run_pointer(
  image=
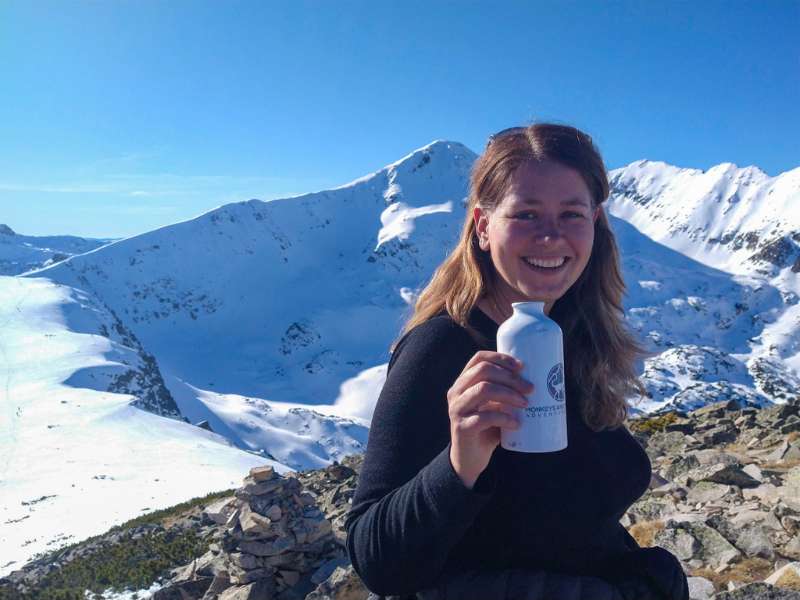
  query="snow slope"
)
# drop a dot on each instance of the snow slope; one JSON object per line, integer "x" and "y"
{"x": 76, "y": 461}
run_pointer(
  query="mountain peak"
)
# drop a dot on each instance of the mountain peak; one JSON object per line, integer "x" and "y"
{"x": 724, "y": 167}
{"x": 447, "y": 154}
{"x": 646, "y": 170}
{"x": 6, "y": 230}
{"x": 441, "y": 147}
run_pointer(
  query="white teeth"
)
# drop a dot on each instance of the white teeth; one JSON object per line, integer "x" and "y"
{"x": 552, "y": 263}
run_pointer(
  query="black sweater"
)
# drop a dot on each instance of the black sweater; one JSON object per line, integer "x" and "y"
{"x": 413, "y": 521}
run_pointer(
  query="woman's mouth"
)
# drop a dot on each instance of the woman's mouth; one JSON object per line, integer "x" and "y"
{"x": 552, "y": 265}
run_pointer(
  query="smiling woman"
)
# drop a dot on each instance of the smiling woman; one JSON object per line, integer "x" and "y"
{"x": 442, "y": 510}
{"x": 540, "y": 235}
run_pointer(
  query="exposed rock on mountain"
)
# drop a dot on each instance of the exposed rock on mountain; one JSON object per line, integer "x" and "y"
{"x": 136, "y": 372}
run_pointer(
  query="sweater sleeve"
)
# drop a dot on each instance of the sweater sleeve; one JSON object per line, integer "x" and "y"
{"x": 410, "y": 507}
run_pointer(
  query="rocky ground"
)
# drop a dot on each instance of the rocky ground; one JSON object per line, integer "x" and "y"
{"x": 725, "y": 499}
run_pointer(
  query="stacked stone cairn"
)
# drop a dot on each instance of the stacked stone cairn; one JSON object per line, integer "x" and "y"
{"x": 275, "y": 543}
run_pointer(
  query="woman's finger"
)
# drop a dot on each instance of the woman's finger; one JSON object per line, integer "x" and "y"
{"x": 500, "y": 359}
{"x": 491, "y": 372}
{"x": 485, "y": 391}
{"x": 477, "y": 422}
{"x": 497, "y": 407}
{"x": 494, "y": 367}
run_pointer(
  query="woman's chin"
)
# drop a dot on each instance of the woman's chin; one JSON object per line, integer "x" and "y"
{"x": 546, "y": 296}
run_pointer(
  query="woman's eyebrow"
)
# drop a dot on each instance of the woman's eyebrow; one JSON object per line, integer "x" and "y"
{"x": 568, "y": 202}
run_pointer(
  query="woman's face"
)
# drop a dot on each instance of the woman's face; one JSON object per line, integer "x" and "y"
{"x": 546, "y": 214}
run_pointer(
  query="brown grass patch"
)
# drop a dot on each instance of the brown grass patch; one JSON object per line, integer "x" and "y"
{"x": 749, "y": 570}
{"x": 172, "y": 520}
{"x": 782, "y": 465}
{"x": 746, "y": 571}
{"x": 792, "y": 436}
{"x": 652, "y": 424}
{"x": 645, "y": 532}
{"x": 790, "y": 580}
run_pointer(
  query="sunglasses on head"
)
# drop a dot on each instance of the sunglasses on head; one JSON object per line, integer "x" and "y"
{"x": 507, "y": 131}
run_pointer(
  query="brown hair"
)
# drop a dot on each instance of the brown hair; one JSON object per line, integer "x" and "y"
{"x": 600, "y": 353}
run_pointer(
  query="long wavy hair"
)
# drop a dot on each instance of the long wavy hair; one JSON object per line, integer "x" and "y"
{"x": 600, "y": 353}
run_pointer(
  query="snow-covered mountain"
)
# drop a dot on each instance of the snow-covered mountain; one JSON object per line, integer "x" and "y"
{"x": 253, "y": 317}
{"x": 273, "y": 302}
{"x": 740, "y": 220}
{"x": 21, "y": 253}
{"x": 254, "y": 297}
{"x": 271, "y": 322}
{"x": 706, "y": 327}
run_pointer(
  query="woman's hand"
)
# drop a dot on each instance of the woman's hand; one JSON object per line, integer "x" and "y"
{"x": 480, "y": 402}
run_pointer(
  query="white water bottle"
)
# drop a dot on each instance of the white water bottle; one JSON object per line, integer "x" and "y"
{"x": 532, "y": 337}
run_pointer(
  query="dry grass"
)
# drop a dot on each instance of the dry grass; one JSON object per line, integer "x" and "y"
{"x": 645, "y": 532}
{"x": 742, "y": 449}
{"x": 652, "y": 424}
{"x": 746, "y": 571}
{"x": 782, "y": 465}
{"x": 790, "y": 579}
{"x": 750, "y": 569}
{"x": 172, "y": 520}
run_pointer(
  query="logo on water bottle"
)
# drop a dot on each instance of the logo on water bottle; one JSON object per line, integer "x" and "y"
{"x": 555, "y": 381}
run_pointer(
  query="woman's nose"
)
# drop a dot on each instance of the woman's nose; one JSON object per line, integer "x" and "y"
{"x": 547, "y": 230}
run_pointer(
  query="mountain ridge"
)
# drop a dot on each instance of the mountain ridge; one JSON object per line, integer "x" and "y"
{"x": 23, "y": 253}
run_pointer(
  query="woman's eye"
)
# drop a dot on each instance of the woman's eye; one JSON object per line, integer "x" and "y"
{"x": 529, "y": 216}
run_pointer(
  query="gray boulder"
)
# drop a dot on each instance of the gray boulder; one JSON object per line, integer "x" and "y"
{"x": 700, "y": 588}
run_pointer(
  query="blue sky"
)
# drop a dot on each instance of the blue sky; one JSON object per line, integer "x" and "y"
{"x": 117, "y": 117}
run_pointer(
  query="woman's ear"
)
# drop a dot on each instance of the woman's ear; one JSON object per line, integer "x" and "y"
{"x": 481, "y": 218}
